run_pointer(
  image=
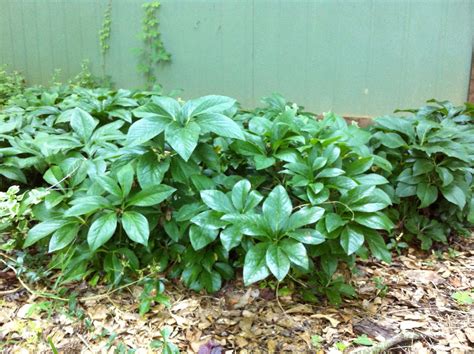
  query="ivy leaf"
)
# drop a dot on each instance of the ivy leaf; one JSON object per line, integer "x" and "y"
{"x": 351, "y": 239}
{"x": 277, "y": 262}
{"x": 136, "y": 227}
{"x": 255, "y": 264}
{"x": 183, "y": 139}
{"x": 101, "y": 230}
{"x": 277, "y": 208}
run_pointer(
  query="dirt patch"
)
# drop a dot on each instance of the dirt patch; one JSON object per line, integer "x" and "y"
{"x": 410, "y": 300}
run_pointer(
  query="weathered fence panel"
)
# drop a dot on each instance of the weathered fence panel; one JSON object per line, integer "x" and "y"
{"x": 358, "y": 58}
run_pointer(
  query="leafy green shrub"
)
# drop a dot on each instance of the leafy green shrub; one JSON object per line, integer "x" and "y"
{"x": 432, "y": 152}
{"x": 11, "y": 84}
{"x": 200, "y": 189}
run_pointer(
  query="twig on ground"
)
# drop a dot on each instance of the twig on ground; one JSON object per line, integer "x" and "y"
{"x": 381, "y": 347}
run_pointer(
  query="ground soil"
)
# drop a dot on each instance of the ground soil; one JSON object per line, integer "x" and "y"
{"x": 407, "y": 306}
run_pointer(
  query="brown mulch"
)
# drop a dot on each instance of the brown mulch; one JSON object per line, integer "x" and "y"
{"x": 412, "y": 296}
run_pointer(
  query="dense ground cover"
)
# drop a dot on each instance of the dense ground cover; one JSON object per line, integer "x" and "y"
{"x": 114, "y": 189}
{"x": 114, "y": 186}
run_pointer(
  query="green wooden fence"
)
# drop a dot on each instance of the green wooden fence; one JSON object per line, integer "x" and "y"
{"x": 358, "y": 58}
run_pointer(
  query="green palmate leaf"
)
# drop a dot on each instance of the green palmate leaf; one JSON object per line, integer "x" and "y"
{"x": 397, "y": 124}
{"x": 371, "y": 179}
{"x": 422, "y": 166}
{"x": 296, "y": 252}
{"x": 101, "y": 230}
{"x": 391, "y": 140}
{"x": 305, "y": 216}
{"x": 378, "y": 221}
{"x": 207, "y": 104}
{"x": 330, "y": 172}
{"x": 255, "y": 264}
{"x": 165, "y": 106}
{"x": 159, "y": 107}
{"x": 455, "y": 195}
{"x": 231, "y": 237}
{"x": 378, "y": 247}
{"x": 307, "y": 236}
{"x": 470, "y": 216}
{"x": 151, "y": 195}
{"x": 110, "y": 185}
{"x": 352, "y": 238}
{"x": 277, "y": 262}
{"x": 445, "y": 176}
{"x": 277, "y": 208}
{"x": 218, "y": 201}
{"x": 220, "y": 125}
{"x": 183, "y": 139}
{"x": 125, "y": 179}
{"x": 42, "y": 230}
{"x": 263, "y": 162}
{"x": 200, "y": 237}
{"x": 53, "y": 176}
{"x": 333, "y": 221}
{"x": 253, "y": 199}
{"x": 405, "y": 190}
{"x": 136, "y": 227}
{"x": 427, "y": 194}
{"x": 13, "y": 173}
{"x": 212, "y": 282}
{"x": 239, "y": 194}
{"x": 63, "y": 237}
{"x": 82, "y": 123}
{"x": 210, "y": 219}
{"x": 150, "y": 171}
{"x": 359, "y": 166}
{"x": 86, "y": 205}
{"x": 146, "y": 129}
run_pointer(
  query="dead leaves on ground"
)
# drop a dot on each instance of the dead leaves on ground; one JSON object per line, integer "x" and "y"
{"x": 412, "y": 295}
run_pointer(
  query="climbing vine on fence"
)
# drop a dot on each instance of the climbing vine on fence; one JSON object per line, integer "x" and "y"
{"x": 153, "y": 51}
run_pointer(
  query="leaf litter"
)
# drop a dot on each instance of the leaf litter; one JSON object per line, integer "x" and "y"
{"x": 410, "y": 307}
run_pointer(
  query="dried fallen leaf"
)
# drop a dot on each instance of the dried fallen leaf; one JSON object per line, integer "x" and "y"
{"x": 404, "y": 325}
{"x": 331, "y": 319}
